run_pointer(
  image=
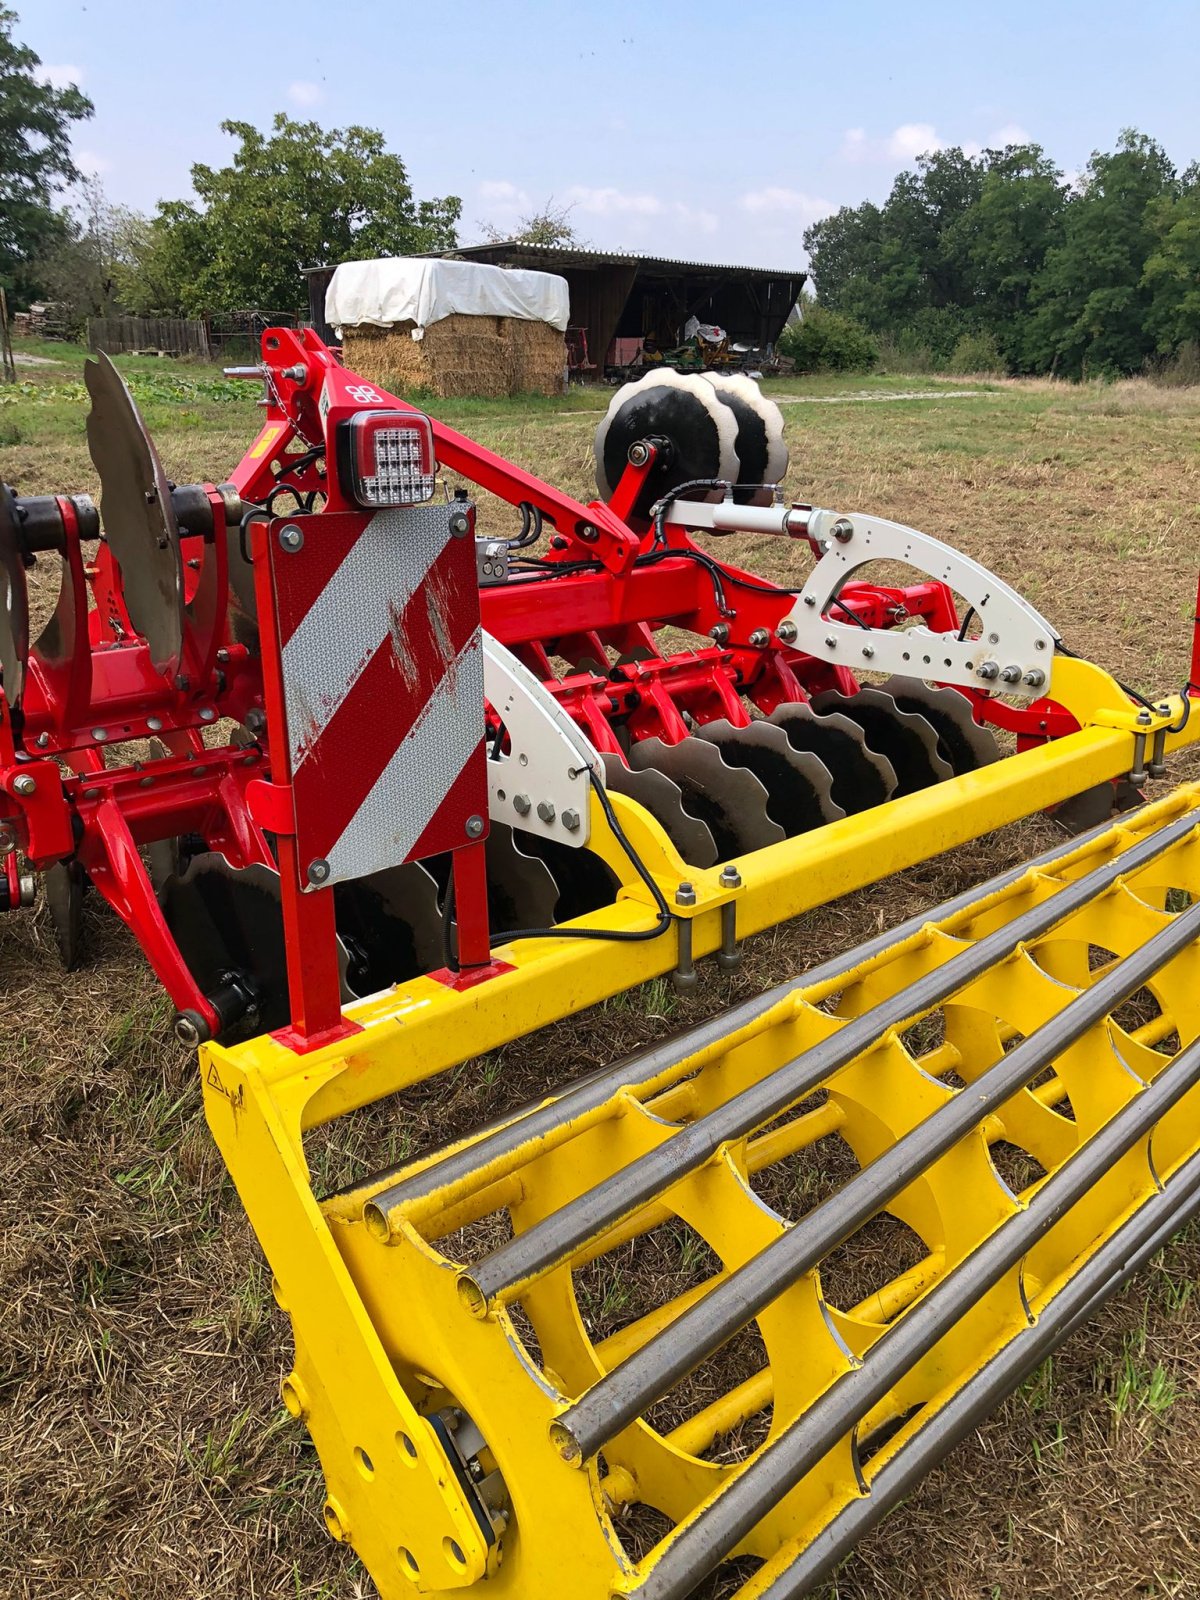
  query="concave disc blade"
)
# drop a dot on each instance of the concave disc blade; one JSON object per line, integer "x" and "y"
{"x": 861, "y": 776}
{"x": 908, "y": 741}
{"x": 762, "y": 453}
{"x": 962, "y": 741}
{"x": 583, "y": 880}
{"x": 226, "y": 919}
{"x": 62, "y": 885}
{"x": 798, "y": 786}
{"x": 680, "y": 407}
{"x": 663, "y": 800}
{"x": 730, "y": 801}
{"x": 14, "y": 602}
{"x": 391, "y": 926}
{"x": 139, "y": 519}
{"x": 522, "y": 892}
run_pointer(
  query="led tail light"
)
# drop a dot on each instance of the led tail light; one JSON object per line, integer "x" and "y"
{"x": 385, "y": 458}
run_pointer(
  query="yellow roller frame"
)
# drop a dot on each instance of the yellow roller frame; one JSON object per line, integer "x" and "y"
{"x": 260, "y": 1099}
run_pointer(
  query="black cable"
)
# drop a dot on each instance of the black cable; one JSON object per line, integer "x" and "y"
{"x": 531, "y": 527}
{"x": 298, "y": 463}
{"x": 966, "y": 623}
{"x": 613, "y": 935}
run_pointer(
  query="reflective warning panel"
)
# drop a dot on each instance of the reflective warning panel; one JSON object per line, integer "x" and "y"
{"x": 382, "y": 669}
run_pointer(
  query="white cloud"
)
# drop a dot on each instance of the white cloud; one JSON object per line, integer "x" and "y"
{"x": 789, "y": 203}
{"x": 610, "y": 202}
{"x": 304, "y": 93}
{"x": 90, "y": 162}
{"x": 1010, "y": 133}
{"x": 913, "y": 139}
{"x": 501, "y": 192}
{"x": 62, "y": 75}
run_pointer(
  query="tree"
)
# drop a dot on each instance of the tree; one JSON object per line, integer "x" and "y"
{"x": 1091, "y": 305}
{"x": 298, "y": 197}
{"x": 551, "y": 226}
{"x": 100, "y": 250}
{"x": 1172, "y": 271}
{"x": 35, "y": 159}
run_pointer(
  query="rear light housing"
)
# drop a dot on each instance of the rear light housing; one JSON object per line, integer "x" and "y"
{"x": 386, "y": 458}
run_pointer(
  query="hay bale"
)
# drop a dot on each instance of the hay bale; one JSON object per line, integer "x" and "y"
{"x": 461, "y": 356}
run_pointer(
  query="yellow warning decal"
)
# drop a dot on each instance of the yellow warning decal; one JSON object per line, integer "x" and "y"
{"x": 265, "y": 440}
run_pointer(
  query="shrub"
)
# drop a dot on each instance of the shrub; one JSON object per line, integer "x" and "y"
{"x": 976, "y": 352}
{"x": 1181, "y": 370}
{"x": 827, "y": 341}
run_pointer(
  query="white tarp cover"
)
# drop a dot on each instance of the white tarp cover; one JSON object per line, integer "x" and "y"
{"x": 418, "y": 289}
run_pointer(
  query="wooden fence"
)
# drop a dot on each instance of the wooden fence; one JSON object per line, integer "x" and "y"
{"x": 173, "y": 335}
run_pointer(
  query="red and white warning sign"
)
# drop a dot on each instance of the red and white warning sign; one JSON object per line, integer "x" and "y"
{"x": 382, "y": 673}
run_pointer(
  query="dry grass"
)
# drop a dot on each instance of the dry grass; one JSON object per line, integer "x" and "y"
{"x": 142, "y": 1449}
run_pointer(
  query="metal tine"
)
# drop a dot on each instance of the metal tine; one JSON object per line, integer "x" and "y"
{"x": 548, "y": 1243}
{"x": 799, "y": 785}
{"x": 652, "y": 1370}
{"x": 14, "y": 602}
{"x": 138, "y": 514}
{"x": 707, "y": 1537}
{"x": 861, "y": 776}
{"x": 664, "y": 801}
{"x": 1117, "y": 1260}
{"x": 962, "y": 741}
{"x": 908, "y": 741}
{"x": 729, "y": 800}
{"x": 462, "y": 1167}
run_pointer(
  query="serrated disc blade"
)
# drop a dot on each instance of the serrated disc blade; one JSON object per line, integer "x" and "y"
{"x": 798, "y": 785}
{"x": 522, "y": 892}
{"x": 961, "y": 740}
{"x": 730, "y": 801}
{"x": 139, "y": 519}
{"x": 227, "y": 918}
{"x": 62, "y": 885}
{"x": 680, "y": 407}
{"x": 583, "y": 881}
{"x": 861, "y": 776}
{"x": 14, "y": 602}
{"x": 664, "y": 802}
{"x": 391, "y": 926}
{"x": 908, "y": 741}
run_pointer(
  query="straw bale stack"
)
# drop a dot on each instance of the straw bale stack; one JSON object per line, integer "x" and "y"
{"x": 461, "y": 355}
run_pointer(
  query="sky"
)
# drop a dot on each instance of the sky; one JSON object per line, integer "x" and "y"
{"x": 706, "y": 131}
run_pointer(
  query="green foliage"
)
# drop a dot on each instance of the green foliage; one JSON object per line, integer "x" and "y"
{"x": 297, "y": 197}
{"x": 1091, "y": 278}
{"x": 100, "y": 248}
{"x": 35, "y": 160}
{"x": 828, "y": 341}
{"x": 551, "y": 226}
{"x": 976, "y": 352}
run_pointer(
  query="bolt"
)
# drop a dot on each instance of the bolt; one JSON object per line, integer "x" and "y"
{"x": 8, "y": 841}
{"x": 42, "y": 740}
{"x": 731, "y": 878}
{"x": 868, "y": 651}
{"x": 685, "y": 895}
{"x": 207, "y": 714}
{"x": 223, "y": 656}
{"x": 571, "y": 820}
{"x": 1035, "y": 677}
{"x": 638, "y": 453}
{"x": 830, "y": 641}
{"x": 760, "y": 639}
{"x": 1010, "y": 674}
{"x": 154, "y": 724}
{"x": 190, "y": 1028}
{"x": 291, "y": 539}
{"x": 719, "y": 633}
{"x": 587, "y": 533}
{"x": 460, "y": 525}
{"x": 546, "y": 810}
{"x": 99, "y": 734}
{"x": 988, "y": 670}
{"x": 787, "y": 631}
{"x": 474, "y": 827}
{"x": 181, "y": 681}
{"x": 24, "y": 785}
{"x": 521, "y": 804}
{"x": 256, "y": 720}
{"x": 1144, "y": 718}
{"x": 843, "y": 530}
{"x": 91, "y": 794}
{"x": 318, "y": 871}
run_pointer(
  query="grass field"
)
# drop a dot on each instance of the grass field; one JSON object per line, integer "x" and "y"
{"x": 143, "y": 1451}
